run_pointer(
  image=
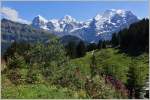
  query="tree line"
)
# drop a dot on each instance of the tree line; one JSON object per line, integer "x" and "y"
{"x": 133, "y": 40}
{"x": 79, "y": 50}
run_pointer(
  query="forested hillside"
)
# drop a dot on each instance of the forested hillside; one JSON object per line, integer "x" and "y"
{"x": 135, "y": 39}
{"x": 13, "y": 31}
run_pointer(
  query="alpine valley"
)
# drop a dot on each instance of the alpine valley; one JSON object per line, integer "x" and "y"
{"x": 100, "y": 27}
{"x": 105, "y": 57}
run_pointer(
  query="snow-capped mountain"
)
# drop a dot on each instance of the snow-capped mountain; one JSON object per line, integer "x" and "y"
{"x": 100, "y": 27}
{"x": 40, "y": 22}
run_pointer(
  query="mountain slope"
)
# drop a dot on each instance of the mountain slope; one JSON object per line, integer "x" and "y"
{"x": 112, "y": 58}
{"x": 69, "y": 38}
{"x": 12, "y": 31}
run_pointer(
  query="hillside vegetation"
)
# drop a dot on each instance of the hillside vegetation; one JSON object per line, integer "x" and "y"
{"x": 13, "y": 31}
{"x": 112, "y": 58}
{"x": 107, "y": 70}
{"x": 117, "y": 63}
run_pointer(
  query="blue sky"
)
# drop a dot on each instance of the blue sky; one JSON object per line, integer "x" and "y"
{"x": 79, "y": 10}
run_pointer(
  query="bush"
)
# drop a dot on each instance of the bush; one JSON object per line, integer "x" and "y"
{"x": 16, "y": 47}
{"x": 14, "y": 76}
{"x": 71, "y": 77}
{"x": 96, "y": 88}
{"x": 34, "y": 76}
{"x": 16, "y": 61}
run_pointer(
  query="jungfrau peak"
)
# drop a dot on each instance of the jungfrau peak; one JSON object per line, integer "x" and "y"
{"x": 99, "y": 27}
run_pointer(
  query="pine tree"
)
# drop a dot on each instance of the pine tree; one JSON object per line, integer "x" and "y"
{"x": 114, "y": 40}
{"x": 91, "y": 46}
{"x": 71, "y": 49}
{"x": 104, "y": 44}
{"x": 136, "y": 79}
{"x": 16, "y": 61}
{"x": 134, "y": 40}
{"x": 93, "y": 65}
{"x": 80, "y": 49}
{"x": 99, "y": 46}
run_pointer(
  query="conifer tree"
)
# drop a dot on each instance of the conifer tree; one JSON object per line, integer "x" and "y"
{"x": 114, "y": 40}
{"x": 81, "y": 49}
{"x": 136, "y": 79}
{"x": 71, "y": 49}
{"x": 99, "y": 44}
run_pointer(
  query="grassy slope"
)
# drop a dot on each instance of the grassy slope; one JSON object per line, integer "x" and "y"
{"x": 106, "y": 57}
{"x": 37, "y": 91}
{"x": 111, "y": 58}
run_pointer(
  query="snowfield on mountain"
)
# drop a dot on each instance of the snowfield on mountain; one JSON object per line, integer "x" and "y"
{"x": 100, "y": 27}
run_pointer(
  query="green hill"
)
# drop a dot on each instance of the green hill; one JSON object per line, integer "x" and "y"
{"x": 119, "y": 62}
{"x": 109, "y": 61}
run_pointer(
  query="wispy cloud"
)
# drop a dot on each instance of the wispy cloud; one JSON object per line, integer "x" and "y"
{"x": 12, "y": 14}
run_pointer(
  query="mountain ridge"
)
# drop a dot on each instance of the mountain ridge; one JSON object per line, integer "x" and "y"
{"x": 14, "y": 31}
{"x": 99, "y": 27}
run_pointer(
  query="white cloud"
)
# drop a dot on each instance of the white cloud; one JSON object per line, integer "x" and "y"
{"x": 12, "y": 14}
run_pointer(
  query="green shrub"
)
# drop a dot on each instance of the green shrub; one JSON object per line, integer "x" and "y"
{"x": 14, "y": 76}
{"x": 34, "y": 75}
{"x": 71, "y": 77}
{"x": 16, "y": 61}
{"x": 96, "y": 88}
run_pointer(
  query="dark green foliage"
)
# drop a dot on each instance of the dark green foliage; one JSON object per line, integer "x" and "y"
{"x": 19, "y": 48}
{"x": 69, "y": 38}
{"x": 91, "y": 46}
{"x": 134, "y": 40}
{"x": 99, "y": 46}
{"x": 81, "y": 49}
{"x": 71, "y": 49}
{"x": 16, "y": 69}
{"x": 16, "y": 61}
{"x": 114, "y": 41}
{"x": 103, "y": 44}
{"x": 75, "y": 50}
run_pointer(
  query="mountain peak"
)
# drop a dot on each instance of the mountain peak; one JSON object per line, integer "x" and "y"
{"x": 99, "y": 27}
{"x": 68, "y": 18}
{"x": 111, "y": 12}
{"x": 39, "y": 22}
{"x": 98, "y": 17}
{"x": 39, "y": 17}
